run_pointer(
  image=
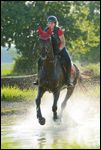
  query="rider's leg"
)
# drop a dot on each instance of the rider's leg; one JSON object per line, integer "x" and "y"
{"x": 66, "y": 56}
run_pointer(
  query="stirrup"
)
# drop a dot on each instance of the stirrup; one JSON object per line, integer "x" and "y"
{"x": 36, "y": 82}
{"x": 70, "y": 84}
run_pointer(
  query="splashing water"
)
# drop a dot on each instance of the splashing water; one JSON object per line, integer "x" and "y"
{"x": 80, "y": 123}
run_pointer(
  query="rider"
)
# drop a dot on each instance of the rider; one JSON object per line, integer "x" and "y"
{"x": 59, "y": 48}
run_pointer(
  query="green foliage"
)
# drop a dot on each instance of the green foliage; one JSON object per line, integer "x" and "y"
{"x": 9, "y": 143}
{"x": 92, "y": 67}
{"x": 95, "y": 91}
{"x": 16, "y": 94}
{"x": 6, "y": 72}
{"x": 6, "y": 69}
{"x": 92, "y": 56}
{"x": 24, "y": 65}
{"x": 13, "y": 53}
{"x": 74, "y": 145}
{"x": 80, "y": 21}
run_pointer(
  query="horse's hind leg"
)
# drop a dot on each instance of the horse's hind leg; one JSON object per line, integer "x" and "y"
{"x": 38, "y": 101}
{"x": 54, "y": 107}
{"x": 68, "y": 94}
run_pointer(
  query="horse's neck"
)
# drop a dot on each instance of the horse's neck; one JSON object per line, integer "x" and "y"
{"x": 50, "y": 65}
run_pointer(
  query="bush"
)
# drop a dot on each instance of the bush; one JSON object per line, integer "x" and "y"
{"x": 24, "y": 65}
{"x": 15, "y": 94}
{"x": 95, "y": 68}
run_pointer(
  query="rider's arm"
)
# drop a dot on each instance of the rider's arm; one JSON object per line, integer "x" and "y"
{"x": 62, "y": 39}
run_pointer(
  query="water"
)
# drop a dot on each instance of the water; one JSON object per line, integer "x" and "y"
{"x": 80, "y": 124}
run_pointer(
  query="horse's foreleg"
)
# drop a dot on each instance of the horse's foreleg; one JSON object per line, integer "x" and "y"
{"x": 68, "y": 94}
{"x": 54, "y": 107}
{"x": 38, "y": 101}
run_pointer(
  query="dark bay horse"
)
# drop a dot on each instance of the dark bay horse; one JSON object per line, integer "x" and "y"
{"x": 51, "y": 77}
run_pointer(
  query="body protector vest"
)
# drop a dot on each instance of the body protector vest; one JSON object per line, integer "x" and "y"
{"x": 55, "y": 39}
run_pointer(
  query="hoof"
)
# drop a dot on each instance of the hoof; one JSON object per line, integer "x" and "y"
{"x": 42, "y": 121}
{"x": 55, "y": 118}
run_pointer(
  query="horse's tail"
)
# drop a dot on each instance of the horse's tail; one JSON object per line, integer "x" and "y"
{"x": 80, "y": 78}
{"x": 78, "y": 75}
{"x": 83, "y": 77}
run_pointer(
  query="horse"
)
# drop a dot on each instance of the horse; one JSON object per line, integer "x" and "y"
{"x": 51, "y": 76}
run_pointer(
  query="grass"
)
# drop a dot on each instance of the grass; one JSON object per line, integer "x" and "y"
{"x": 13, "y": 110}
{"x": 8, "y": 143}
{"x": 95, "y": 91}
{"x": 63, "y": 144}
{"x": 6, "y": 72}
{"x": 92, "y": 89}
{"x": 74, "y": 145}
{"x": 11, "y": 144}
{"x": 16, "y": 94}
{"x": 6, "y": 69}
{"x": 94, "y": 67}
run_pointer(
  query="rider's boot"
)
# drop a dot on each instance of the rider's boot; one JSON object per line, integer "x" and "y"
{"x": 69, "y": 82}
{"x": 68, "y": 78}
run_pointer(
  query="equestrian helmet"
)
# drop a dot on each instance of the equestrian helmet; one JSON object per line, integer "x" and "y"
{"x": 52, "y": 19}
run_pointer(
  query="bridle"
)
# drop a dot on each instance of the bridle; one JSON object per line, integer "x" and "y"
{"x": 44, "y": 36}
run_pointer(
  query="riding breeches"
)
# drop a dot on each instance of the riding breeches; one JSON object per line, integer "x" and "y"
{"x": 64, "y": 54}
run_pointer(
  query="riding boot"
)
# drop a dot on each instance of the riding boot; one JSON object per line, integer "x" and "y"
{"x": 68, "y": 74}
{"x": 68, "y": 79}
{"x": 64, "y": 54}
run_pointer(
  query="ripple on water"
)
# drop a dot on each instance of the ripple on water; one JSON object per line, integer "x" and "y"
{"x": 80, "y": 123}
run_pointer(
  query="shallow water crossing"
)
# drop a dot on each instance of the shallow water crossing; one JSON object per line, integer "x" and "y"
{"x": 79, "y": 127}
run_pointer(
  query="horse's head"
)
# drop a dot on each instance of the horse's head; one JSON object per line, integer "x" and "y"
{"x": 45, "y": 44}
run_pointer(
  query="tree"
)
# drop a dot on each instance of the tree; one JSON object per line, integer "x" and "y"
{"x": 79, "y": 20}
